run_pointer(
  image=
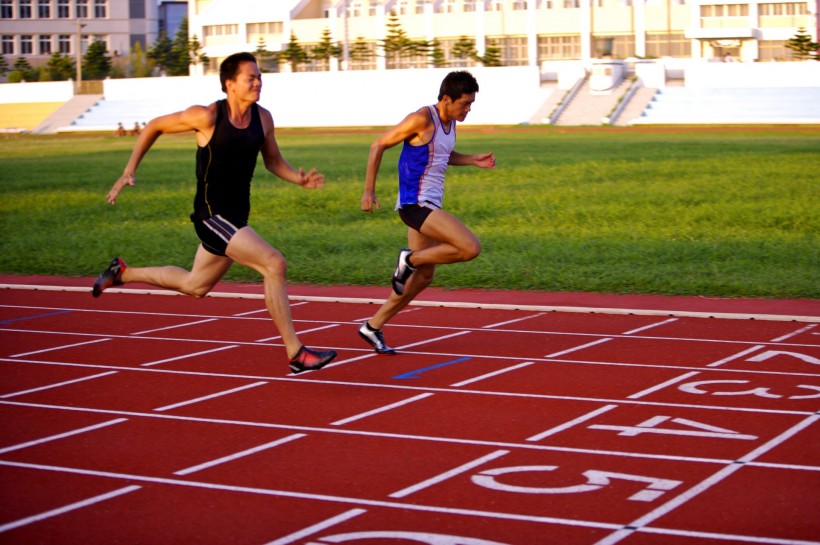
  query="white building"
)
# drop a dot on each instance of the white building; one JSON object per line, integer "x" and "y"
{"x": 527, "y": 32}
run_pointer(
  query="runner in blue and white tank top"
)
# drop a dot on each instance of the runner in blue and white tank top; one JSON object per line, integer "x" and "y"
{"x": 434, "y": 236}
{"x": 422, "y": 167}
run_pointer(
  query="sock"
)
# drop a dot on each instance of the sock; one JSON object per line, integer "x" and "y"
{"x": 370, "y": 327}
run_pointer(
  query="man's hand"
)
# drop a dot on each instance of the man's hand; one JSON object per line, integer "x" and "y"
{"x": 311, "y": 179}
{"x": 124, "y": 180}
{"x": 369, "y": 201}
{"x": 485, "y": 160}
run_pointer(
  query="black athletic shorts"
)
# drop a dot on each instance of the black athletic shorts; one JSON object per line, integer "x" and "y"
{"x": 413, "y": 215}
{"x": 216, "y": 232}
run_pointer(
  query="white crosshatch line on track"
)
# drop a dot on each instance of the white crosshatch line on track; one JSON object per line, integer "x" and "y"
{"x": 642, "y": 524}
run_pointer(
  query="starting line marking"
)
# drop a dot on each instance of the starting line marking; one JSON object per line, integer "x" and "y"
{"x": 449, "y": 304}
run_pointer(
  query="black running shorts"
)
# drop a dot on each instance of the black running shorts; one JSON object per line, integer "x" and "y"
{"x": 216, "y": 232}
{"x": 413, "y": 215}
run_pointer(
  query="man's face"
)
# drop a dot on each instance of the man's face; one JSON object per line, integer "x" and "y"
{"x": 459, "y": 108}
{"x": 248, "y": 82}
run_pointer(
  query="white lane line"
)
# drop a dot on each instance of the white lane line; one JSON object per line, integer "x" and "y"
{"x": 380, "y": 410}
{"x": 191, "y": 355}
{"x": 24, "y": 354}
{"x": 493, "y": 374}
{"x": 58, "y": 384}
{"x": 67, "y": 508}
{"x": 241, "y": 454}
{"x": 62, "y": 435}
{"x": 448, "y": 474}
{"x": 571, "y": 423}
{"x": 211, "y": 396}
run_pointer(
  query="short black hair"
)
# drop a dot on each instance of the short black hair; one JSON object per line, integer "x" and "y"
{"x": 456, "y": 84}
{"x": 230, "y": 66}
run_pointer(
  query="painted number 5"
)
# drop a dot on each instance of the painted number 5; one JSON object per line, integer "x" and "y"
{"x": 595, "y": 481}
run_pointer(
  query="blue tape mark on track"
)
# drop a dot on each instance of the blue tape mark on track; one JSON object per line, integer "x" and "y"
{"x": 417, "y": 372}
{"x": 34, "y": 317}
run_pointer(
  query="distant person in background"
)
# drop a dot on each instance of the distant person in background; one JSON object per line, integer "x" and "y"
{"x": 120, "y": 130}
{"x": 434, "y": 236}
{"x": 728, "y": 58}
{"x": 230, "y": 133}
{"x": 136, "y": 130}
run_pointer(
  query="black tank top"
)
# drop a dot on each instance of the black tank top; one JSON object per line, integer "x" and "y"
{"x": 225, "y": 165}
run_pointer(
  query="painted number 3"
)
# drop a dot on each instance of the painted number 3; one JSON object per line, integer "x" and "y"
{"x": 595, "y": 480}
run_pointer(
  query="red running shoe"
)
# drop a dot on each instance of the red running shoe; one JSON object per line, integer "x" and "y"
{"x": 112, "y": 276}
{"x": 310, "y": 360}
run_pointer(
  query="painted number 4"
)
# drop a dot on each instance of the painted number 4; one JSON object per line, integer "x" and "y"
{"x": 595, "y": 480}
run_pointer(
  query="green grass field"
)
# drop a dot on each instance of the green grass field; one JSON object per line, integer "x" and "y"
{"x": 715, "y": 212}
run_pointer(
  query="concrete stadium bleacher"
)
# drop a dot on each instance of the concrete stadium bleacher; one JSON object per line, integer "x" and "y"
{"x": 107, "y": 114}
{"x": 760, "y": 105}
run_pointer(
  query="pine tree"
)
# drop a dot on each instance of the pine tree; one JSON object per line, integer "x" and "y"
{"x": 4, "y": 66}
{"x": 436, "y": 54}
{"x": 96, "y": 64}
{"x": 359, "y": 50}
{"x": 396, "y": 44}
{"x": 326, "y": 48}
{"x": 267, "y": 61}
{"x": 160, "y": 52}
{"x": 180, "y": 55}
{"x": 138, "y": 64}
{"x": 464, "y": 49}
{"x": 294, "y": 53}
{"x": 492, "y": 55}
{"x": 60, "y": 67}
{"x": 802, "y": 46}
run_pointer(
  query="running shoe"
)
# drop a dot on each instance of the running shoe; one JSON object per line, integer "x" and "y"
{"x": 310, "y": 360}
{"x": 375, "y": 339}
{"x": 112, "y": 276}
{"x": 402, "y": 272}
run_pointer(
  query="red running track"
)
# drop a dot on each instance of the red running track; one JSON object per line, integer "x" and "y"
{"x": 507, "y": 418}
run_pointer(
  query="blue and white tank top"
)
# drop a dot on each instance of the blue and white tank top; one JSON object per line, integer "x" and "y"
{"x": 422, "y": 167}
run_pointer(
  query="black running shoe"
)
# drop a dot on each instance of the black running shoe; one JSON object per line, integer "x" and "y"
{"x": 402, "y": 272}
{"x": 375, "y": 339}
{"x": 310, "y": 360}
{"x": 112, "y": 276}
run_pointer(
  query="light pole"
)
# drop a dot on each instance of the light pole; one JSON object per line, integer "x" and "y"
{"x": 79, "y": 56}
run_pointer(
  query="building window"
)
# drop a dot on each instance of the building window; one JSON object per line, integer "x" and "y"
{"x": 26, "y": 44}
{"x": 519, "y": 5}
{"x": 82, "y": 9}
{"x": 63, "y": 11}
{"x": 25, "y": 9}
{"x": 64, "y": 43}
{"x": 668, "y": 45}
{"x": 513, "y": 50}
{"x": 44, "y": 9}
{"x": 6, "y": 9}
{"x": 724, "y": 10}
{"x": 447, "y": 6}
{"x": 554, "y": 48}
{"x": 45, "y": 45}
{"x": 783, "y": 9}
{"x": 773, "y": 51}
{"x": 8, "y": 44}
{"x": 100, "y": 9}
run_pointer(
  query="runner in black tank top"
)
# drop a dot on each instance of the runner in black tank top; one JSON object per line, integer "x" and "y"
{"x": 225, "y": 165}
{"x": 230, "y": 134}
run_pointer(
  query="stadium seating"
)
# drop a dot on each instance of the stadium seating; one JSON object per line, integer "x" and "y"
{"x": 106, "y": 114}
{"x": 778, "y": 105}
